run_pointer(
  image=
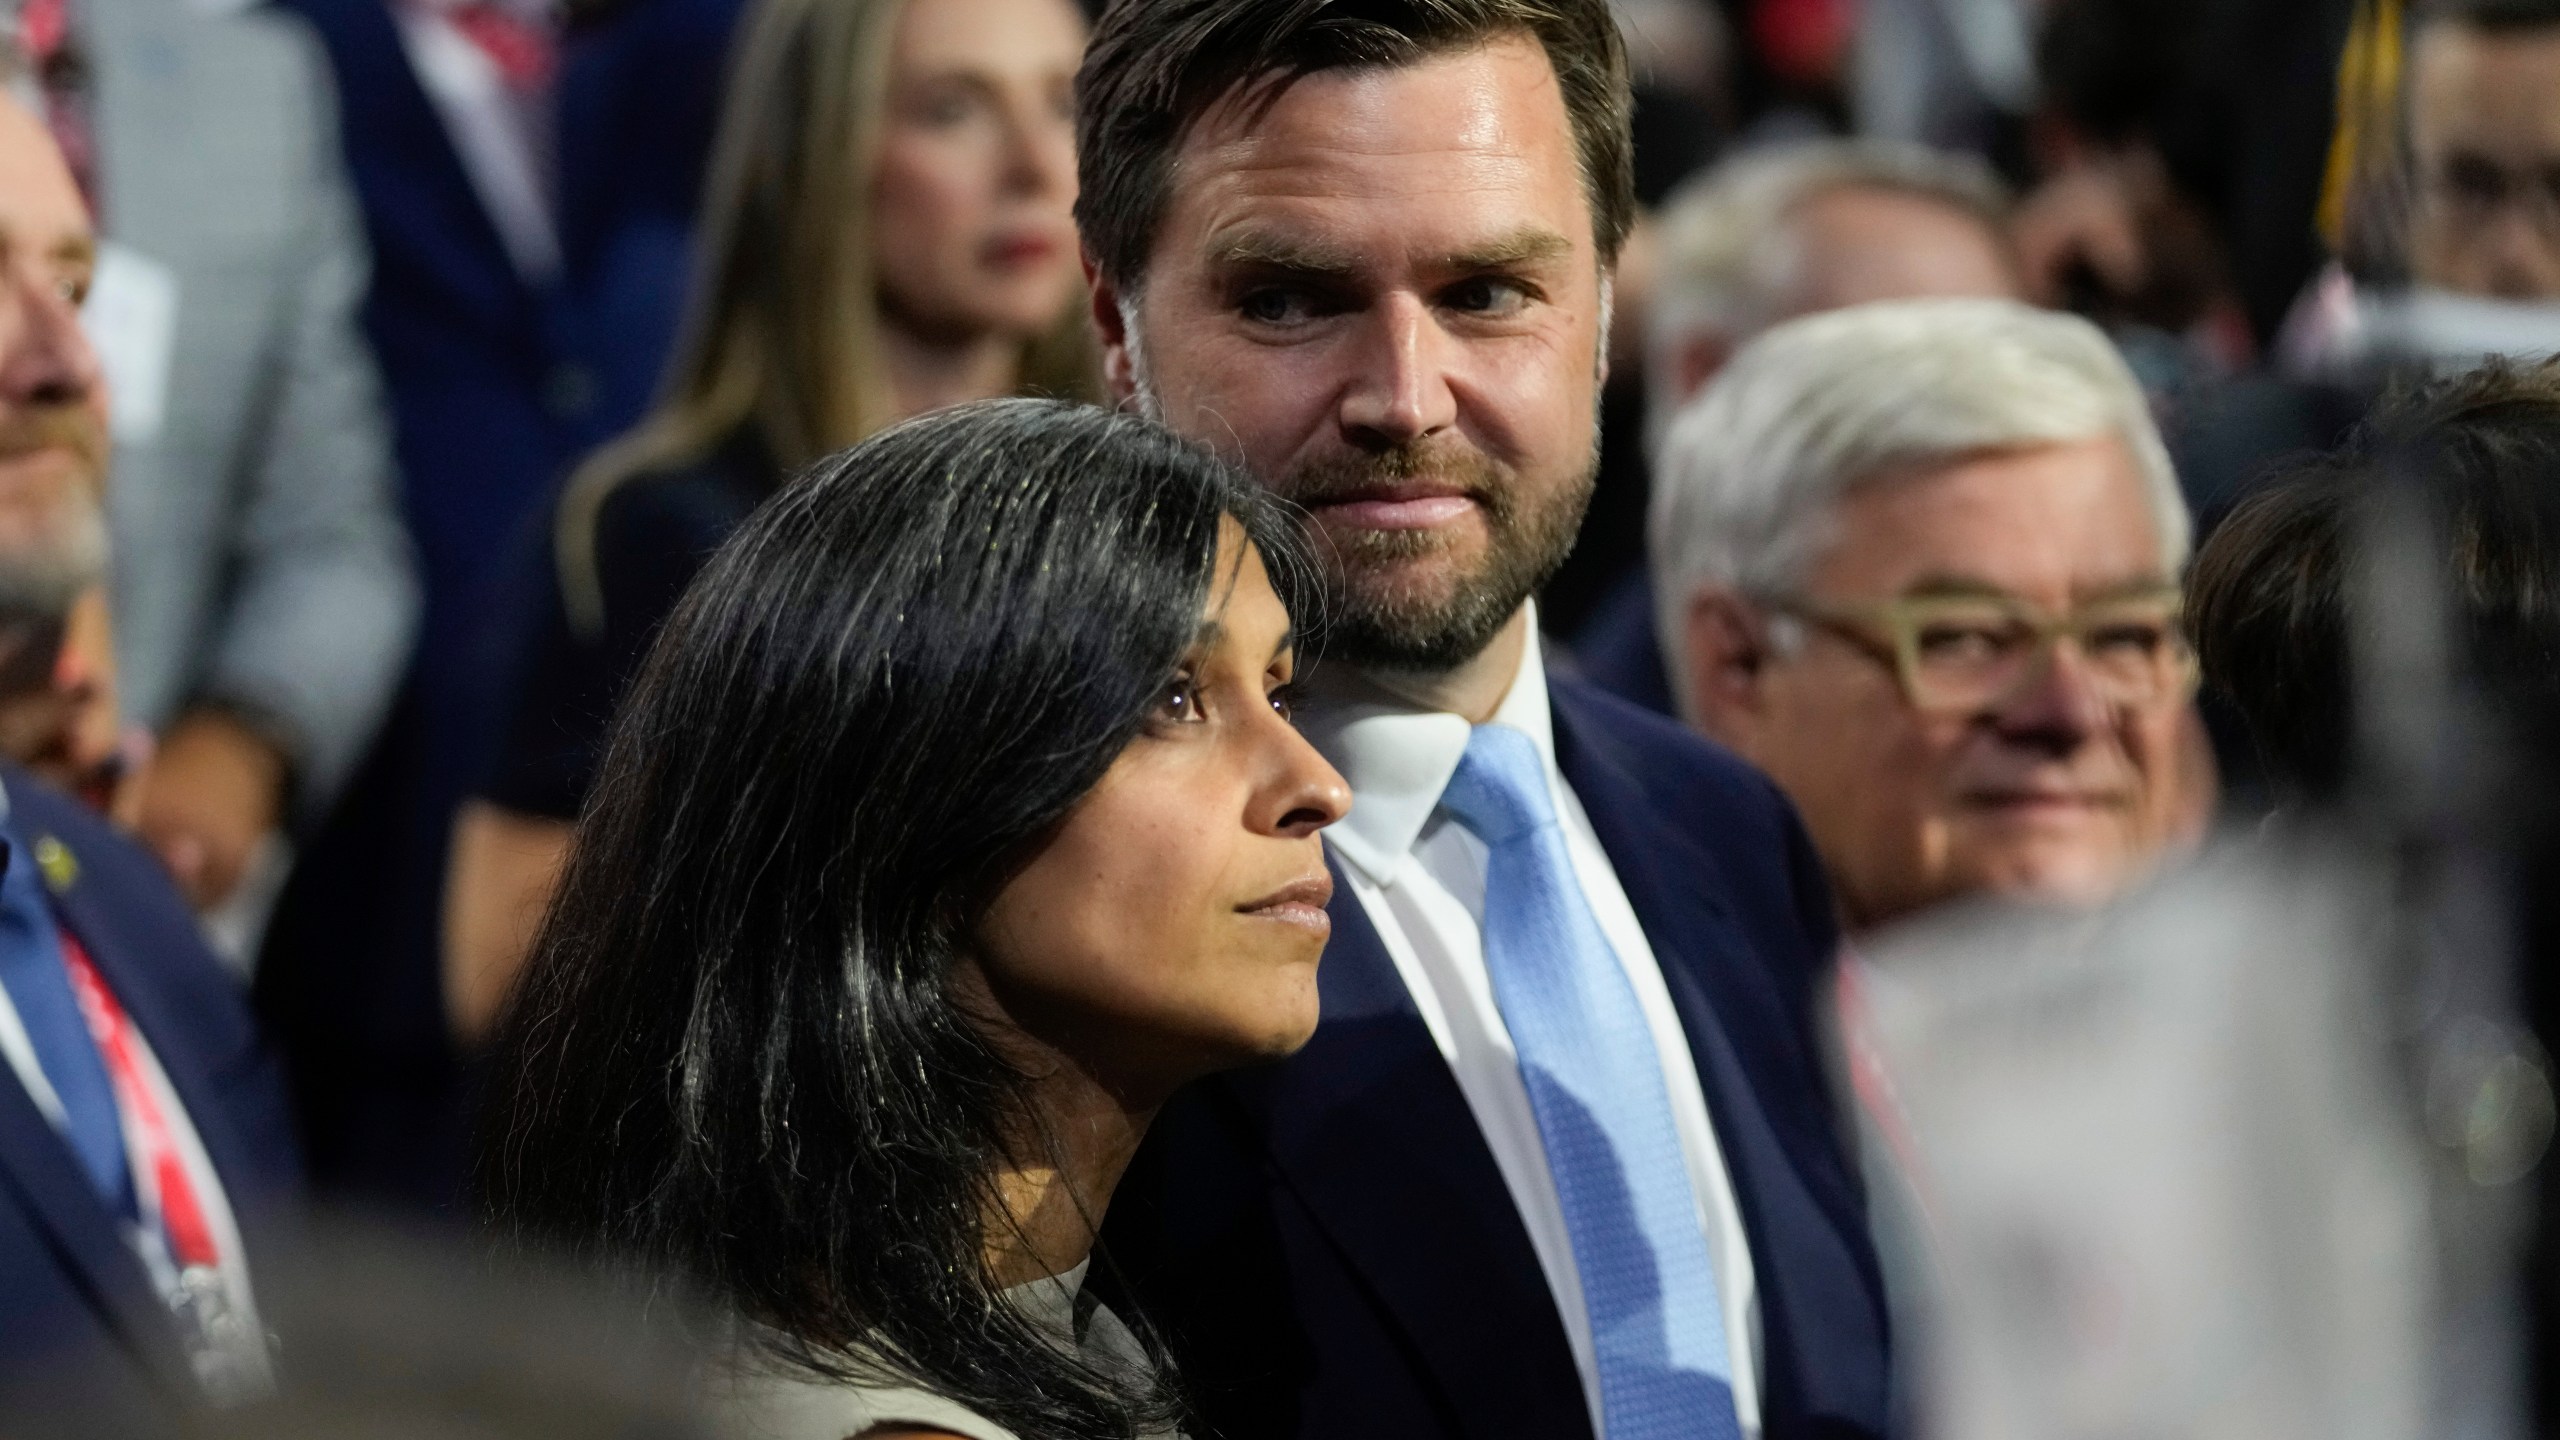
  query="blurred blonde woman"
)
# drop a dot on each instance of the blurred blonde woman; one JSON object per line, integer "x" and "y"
{"x": 887, "y": 230}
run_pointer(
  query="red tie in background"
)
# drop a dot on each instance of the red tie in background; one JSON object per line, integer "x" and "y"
{"x": 524, "y": 51}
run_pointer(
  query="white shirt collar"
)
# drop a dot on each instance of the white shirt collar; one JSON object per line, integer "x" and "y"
{"x": 1399, "y": 757}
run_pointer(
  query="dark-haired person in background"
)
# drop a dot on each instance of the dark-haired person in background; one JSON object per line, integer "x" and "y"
{"x": 886, "y": 230}
{"x": 143, "y": 1130}
{"x": 2268, "y": 594}
{"x": 955, "y": 821}
{"x": 2273, "y": 603}
{"x": 1558, "y": 1161}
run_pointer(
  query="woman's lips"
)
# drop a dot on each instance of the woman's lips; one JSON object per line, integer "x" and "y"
{"x": 1396, "y": 512}
{"x": 1300, "y": 903}
{"x": 1012, "y": 252}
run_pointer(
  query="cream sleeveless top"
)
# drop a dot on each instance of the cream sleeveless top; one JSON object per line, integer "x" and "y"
{"x": 755, "y": 1402}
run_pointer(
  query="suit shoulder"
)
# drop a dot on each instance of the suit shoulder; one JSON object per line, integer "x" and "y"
{"x": 1670, "y": 760}
{"x": 105, "y": 857}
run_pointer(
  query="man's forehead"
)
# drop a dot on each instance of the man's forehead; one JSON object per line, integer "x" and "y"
{"x": 39, "y": 204}
{"x": 1446, "y": 154}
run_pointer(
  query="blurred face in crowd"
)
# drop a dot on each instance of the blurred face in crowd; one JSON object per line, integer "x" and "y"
{"x": 2484, "y": 132}
{"x": 1847, "y": 245}
{"x": 1171, "y": 925}
{"x": 976, "y": 175}
{"x": 53, "y": 436}
{"x": 1855, "y": 243}
{"x": 1904, "y": 702}
{"x": 1381, "y": 292}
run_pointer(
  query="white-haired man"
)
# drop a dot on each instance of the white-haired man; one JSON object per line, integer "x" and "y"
{"x": 1919, "y": 561}
{"x": 1771, "y": 235}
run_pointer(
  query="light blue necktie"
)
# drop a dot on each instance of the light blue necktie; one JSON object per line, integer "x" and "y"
{"x": 1595, "y": 1083}
{"x": 39, "y": 986}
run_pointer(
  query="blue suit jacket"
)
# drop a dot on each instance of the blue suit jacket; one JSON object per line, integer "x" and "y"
{"x": 73, "y": 1299}
{"x": 1326, "y": 1245}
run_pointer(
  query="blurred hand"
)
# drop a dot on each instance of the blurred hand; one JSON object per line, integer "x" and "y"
{"x": 214, "y": 791}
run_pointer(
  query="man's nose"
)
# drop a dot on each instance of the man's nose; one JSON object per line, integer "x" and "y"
{"x": 2059, "y": 708}
{"x": 2524, "y": 264}
{"x": 48, "y": 361}
{"x": 1401, "y": 393}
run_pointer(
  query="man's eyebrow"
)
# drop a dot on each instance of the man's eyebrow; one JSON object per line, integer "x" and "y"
{"x": 1521, "y": 247}
{"x": 1257, "y": 249}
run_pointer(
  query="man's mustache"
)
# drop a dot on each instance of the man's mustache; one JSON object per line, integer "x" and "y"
{"x": 55, "y": 427}
{"x": 1325, "y": 482}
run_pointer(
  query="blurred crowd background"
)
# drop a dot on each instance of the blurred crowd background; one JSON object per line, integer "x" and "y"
{"x": 442, "y": 338}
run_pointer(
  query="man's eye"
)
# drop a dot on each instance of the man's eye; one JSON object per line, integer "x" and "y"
{"x": 1486, "y": 296}
{"x": 1964, "y": 643}
{"x": 1274, "y": 306}
{"x": 2130, "y": 637}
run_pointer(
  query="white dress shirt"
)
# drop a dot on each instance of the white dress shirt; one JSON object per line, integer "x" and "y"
{"x": 1420, "y": 876}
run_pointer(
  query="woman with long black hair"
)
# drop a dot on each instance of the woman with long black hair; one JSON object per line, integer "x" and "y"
{"x": 953, "y": 822}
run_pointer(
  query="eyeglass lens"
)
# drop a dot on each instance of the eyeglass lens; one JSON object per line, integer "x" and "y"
{"x": 1968, "y": 654}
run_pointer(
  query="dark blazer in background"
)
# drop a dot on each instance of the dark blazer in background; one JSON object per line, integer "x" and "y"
{"x": 498, "y": 385}
{"x": 1327, "y": 1247}
{"x": 74, "y": 1301}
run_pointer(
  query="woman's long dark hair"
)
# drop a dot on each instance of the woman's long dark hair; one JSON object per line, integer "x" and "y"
{"x": 734, "y": 1056}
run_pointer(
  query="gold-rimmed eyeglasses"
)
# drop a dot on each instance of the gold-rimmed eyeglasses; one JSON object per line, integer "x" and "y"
{"x": 1971, "y": 652}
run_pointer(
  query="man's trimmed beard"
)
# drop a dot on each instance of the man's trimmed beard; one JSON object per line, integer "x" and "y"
{"x": 1367, "y": 622}
{"x": 1379, "y": 615}
{"x": 45, "y": 568}
{"x": 53, "y": 548}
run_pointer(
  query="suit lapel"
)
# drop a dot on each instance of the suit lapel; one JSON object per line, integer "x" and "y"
{"x": 172, "y": 1036}
{"x": 37, "y": 1164}
{"x": 1369, "y": 1129}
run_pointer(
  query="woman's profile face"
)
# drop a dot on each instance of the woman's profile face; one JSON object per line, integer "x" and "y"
{"x": 1171, "y": 924}
{"x": 975, "y": 182}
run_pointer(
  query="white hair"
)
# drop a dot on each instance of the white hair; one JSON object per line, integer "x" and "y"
{"x": 1724, "y": 256}
{"x": 1751, "y": 470}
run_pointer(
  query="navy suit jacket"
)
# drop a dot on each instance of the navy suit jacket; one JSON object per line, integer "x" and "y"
{"x": 1326, "y": 1246}
{"x": 74, "y": 1301}
{"x": 498, "y": 384}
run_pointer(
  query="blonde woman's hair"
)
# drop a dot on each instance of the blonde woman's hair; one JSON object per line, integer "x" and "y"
{"x": 782, "y": 331}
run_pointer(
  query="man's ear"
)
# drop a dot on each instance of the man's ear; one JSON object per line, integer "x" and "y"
{"x": 1111, "y": 327}
{"x": 1725, "y": 639}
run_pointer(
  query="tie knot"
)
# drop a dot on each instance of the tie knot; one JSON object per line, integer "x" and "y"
{"x": 1500, "y": 790}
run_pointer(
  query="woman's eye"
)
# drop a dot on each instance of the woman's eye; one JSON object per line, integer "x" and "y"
{"x": 941, "y": 109}
{"x": 1284, "y": 701}
{"x": 1180, "y": 704}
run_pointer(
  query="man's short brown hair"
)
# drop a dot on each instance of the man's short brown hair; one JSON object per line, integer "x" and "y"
{"x": 1155, "y": 66}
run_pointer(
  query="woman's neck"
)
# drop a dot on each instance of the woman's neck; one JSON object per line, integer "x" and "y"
{"x": 1068, "y": 1161}
{"x": 927, "y": 373}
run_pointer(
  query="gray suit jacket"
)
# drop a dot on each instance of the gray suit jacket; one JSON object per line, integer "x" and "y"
{"x": 260, "y": 559}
